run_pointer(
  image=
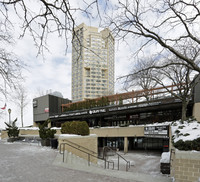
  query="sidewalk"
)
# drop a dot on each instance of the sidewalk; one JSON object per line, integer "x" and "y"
{"x": 22, "y": 162}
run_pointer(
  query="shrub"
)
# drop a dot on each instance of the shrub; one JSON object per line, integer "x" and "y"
{"x": 45, "y": 132}
{"x": 75, "y": 127}
{"x": 181, "y": 127}
{"x": 12, "y": 129}
{"x": 51, "y": 133}
{"x": 177, "y": 131}
{"x": 188, "y": 145}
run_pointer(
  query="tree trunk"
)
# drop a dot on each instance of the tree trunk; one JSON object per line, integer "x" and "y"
{"x": 184, "y": 110}
{"x": 22, "y": 117}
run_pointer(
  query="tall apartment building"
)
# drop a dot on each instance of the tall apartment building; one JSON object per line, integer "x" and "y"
{"x": 92, "y": 63}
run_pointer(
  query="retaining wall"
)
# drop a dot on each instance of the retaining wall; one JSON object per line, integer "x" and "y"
{"x": 185, "y": 166}
{"x": 88, "y": 142}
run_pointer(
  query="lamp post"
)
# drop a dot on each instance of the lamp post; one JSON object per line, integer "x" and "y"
{"x": 9, "y": 112}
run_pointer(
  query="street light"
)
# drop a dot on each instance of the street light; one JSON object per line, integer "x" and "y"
{"x": 9, "y": 112}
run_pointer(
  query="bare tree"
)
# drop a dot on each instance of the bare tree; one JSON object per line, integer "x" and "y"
{"x": 49, "y": 17}
{"x": 20, "y": 99}
{"x": 181, "y": 76}
{"x": 178, "y": 75}
{"x": 10, "y": 65}
{"x": 165, "y": 25}
{"x": 142, "y": 79}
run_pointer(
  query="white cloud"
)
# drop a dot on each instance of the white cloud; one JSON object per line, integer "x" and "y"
{"x": 55, "y": 71}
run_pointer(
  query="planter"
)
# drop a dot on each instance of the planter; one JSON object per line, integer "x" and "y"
{"x": 165, "y": 168}
{"x": 54, "y": 143}
{"x": 45, "y": 142}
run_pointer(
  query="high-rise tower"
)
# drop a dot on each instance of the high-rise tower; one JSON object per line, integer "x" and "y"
{"x": 92, "y": 63}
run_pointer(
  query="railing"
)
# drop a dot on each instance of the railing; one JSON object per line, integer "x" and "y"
{"x": 81, "y": 148}
{"x": 119, "y": 156}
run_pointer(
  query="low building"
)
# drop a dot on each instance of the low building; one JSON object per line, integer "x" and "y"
{"x": 136, "y": 124}
{"x": 46, "y": 106}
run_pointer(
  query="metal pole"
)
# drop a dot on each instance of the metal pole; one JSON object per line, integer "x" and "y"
{"x": 88, "y": 159}
{"x": 9, "y": 119}
{"x": 64, "y": 153}
{"x": 9, "y": 112}
{"x": 118, "y": 162}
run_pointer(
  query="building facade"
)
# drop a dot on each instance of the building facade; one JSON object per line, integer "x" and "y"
{"x": 92, "y": 63}
{"x": 46, "y": 106}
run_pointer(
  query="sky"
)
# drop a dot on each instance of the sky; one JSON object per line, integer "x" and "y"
{"x": 52, "y": 72}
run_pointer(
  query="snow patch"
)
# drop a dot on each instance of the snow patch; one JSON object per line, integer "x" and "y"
{"x": 29, "y": 128}
{"x": 165, "y": 157}
{"x": 186, "y": 131}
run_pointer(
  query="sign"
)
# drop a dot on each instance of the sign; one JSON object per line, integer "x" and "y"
{"x": 46, "y": 109}
{"x": 75, "y": 113}
{"x": 161, "y": 131}
{"x": 35, "y": 103}
{"x": 97, "y": 111}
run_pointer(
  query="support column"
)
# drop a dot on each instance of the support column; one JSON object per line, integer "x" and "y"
{"x": 196, "y": 113}
{"x": 125, "y": 144}
{"x": 49, "y": 125}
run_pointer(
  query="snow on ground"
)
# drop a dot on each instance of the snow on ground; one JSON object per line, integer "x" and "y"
{"x": 186, "y": 131}
{"x": 147, "y": 162}
{"x": 29, "y": 128}
{"x": 22, "y": 162}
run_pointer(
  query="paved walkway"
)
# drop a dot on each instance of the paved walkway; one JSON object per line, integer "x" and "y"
{"x": 22, "y": 162}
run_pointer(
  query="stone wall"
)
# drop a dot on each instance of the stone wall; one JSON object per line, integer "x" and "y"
{"x": 185, "y": 166}
{"x": 88, "y": 142}
{"x": 136, "y": 131}
{"x": 31, "y": 131}
{"x": 4, "y": 134}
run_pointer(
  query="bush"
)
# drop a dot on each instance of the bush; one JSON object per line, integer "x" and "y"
{"x": 75, "y": 127}
{"x": 13, "y": 131}
{"x": 188, "y": 145}
{"x": 45, "y": 132}
{"x": 51, "y": 133}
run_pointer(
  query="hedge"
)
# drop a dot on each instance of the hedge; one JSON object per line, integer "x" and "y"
{"x": 188, "y": 145}
{"x": 75, "y": 127}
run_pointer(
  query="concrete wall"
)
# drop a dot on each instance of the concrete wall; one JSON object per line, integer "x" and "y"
{"x": 185, "y": 166}
{"x": 29, "y": 132}
{"x": 39, "y": 113}
{"x": 196, "y": 111}
{"x": 136, "y": 131}
{"x": 4, "y": 134}
{"x": 88, "y": 142}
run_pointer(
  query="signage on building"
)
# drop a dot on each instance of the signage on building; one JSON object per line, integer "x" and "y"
{"x": 161, "y": 131}
{"x": 46, "y": 109}
{"x": 35, "y": 103}
{"x": 76, "y": 113}
{"x": 96, "y": 111}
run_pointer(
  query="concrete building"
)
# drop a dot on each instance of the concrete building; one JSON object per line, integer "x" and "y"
{"x": 92, "y": 63}
{"x": 46, "y": 106}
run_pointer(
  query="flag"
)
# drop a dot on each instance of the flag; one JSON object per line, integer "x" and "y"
{"x": 4, "y": 107}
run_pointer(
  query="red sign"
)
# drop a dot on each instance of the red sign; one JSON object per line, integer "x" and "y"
{"x": 46, "y": 110}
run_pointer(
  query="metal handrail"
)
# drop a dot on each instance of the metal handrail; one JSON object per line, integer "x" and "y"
{"x": 79, "y": 146}
{"x": 119, "y": 156}
{"x": 89, "y": 155}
